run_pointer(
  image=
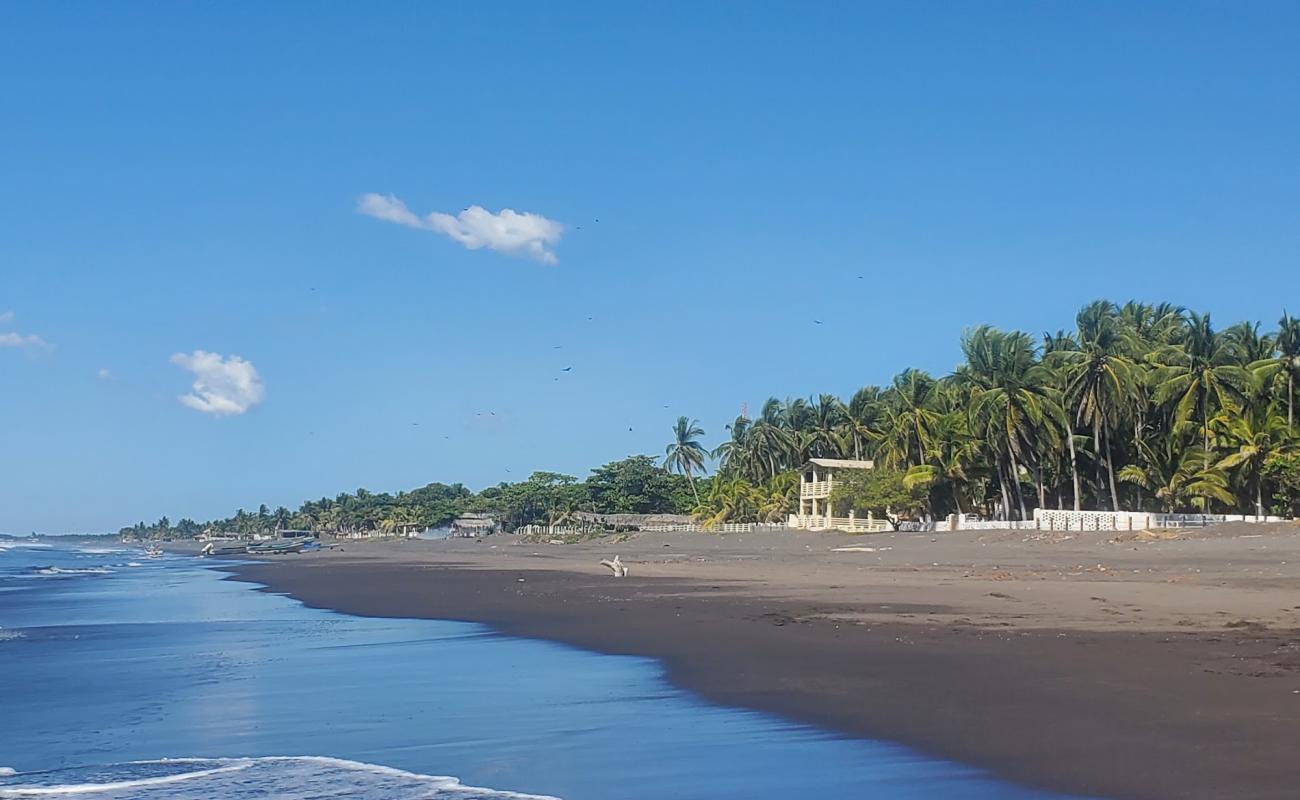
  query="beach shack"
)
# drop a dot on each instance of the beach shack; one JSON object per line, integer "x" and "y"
{"x": 472, "y": 524}
{"x": 816, "y": 482}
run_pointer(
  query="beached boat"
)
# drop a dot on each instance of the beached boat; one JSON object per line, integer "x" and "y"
{"x": 223, "y": 549}
{"x": 275, "y": 548}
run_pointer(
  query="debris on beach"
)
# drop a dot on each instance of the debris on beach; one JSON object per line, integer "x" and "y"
{"x": 617, "y": 565}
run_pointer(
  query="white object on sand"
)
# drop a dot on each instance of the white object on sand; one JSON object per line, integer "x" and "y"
{"x": 617, "y": 565}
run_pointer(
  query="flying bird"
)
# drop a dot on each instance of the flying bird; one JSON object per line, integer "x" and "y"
{"x": 567, "y": 369}
{"x": 817, "y": 322}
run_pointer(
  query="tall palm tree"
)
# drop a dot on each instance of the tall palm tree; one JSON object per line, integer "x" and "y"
{"x": 685, "y": 452}
{"x": 770, "y": 443}
{"x": 862, "y": 419}
{"x": 1254, "y": 437}
{"x": 909, "y": 415}
{"x": 1101, "y": 381}
{"x": 1283, "y": 365}
{"x": 1058, "y": 379}
{"x": 734, "y": 455}
{"x": 1010, "y": 400}
{"x": 1198, "y": 369}
{"x": 826, "y": 416}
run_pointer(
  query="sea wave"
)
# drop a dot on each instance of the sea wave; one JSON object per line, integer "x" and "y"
{"x": 71, "y": 571}
{"x": 282, "y": 777}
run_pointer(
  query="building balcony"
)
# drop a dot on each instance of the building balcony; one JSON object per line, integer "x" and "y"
{"x": 815, "y": 490}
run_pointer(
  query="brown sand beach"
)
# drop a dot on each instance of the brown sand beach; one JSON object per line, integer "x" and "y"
{"x": 1128, "y": 666}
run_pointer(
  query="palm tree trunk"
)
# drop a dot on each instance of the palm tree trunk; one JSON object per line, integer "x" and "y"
{"x": 1002, "y": 483}
{"x": 1042, "y": 490}
{"x": 956, "y": 497}
{"x": 1074, "y": 462}
{"x": 1259, "y": 495}
{"x": 1015, "y": 483}
{"x": 691, "y": 481}
{"x": 1110, "y": 465}
{"x": 1096, "y": 457}
{"x": 1290, "y": 399}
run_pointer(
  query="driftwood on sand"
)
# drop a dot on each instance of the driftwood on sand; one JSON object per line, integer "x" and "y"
{"x": 617, "y": 565}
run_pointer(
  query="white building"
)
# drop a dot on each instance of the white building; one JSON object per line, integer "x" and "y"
{"x": 816, "y": 482}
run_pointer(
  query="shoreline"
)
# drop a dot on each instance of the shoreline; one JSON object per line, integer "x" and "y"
{"x": 987, "y": 650}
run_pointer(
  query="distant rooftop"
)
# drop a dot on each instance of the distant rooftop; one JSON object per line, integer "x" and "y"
{"x": 843, "y": 463}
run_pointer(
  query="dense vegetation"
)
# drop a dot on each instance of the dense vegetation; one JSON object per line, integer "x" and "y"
{"x": 1138, "y": 407}
{"x": 635, "y": 485}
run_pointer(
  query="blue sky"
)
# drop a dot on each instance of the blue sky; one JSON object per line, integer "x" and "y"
{"x": 185, "y": 177}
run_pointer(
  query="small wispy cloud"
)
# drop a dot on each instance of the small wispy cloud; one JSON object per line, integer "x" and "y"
{"x": 222, "y": 385}
{"x": 104, "y": 374}
{"x": 507, "y": 231}
{"x": 18, "y": 341}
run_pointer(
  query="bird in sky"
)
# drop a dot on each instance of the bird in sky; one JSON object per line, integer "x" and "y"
{"x": 817, "y": 322}
{"x": 567, "y": 369}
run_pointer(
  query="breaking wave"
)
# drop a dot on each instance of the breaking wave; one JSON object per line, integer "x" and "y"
{"x": 281, "y": 777}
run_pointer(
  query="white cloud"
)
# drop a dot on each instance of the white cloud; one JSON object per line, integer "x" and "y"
{"x": 508, "y": 231}
{"x": 221, "y": 386}
{"x": 7, "y": 316}
{"x": 28, "y": 342}
{"x": 104, "y": 374}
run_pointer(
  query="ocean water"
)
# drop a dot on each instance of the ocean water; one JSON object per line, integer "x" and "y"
{"x": 123, "y": 677}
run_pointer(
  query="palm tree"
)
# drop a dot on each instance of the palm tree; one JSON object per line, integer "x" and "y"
{"x": 1058, "y": 378}
{"x": 1198, "y": 368}
{"x": 1010, "y": 400}
{"x": 1101, "y": 381}
{"x": 1176, "y": 475}
{"x": 685, "y": 452}
{"x": 1285, "y": 365}
{"x": 826, "y": 415}
{"x": 909, "y": 414}
{"x": 770, "y": 443}
{"x": 734, "y": 455}
{"x": 1255, "y": 437}
{"x": 862, "y": 418}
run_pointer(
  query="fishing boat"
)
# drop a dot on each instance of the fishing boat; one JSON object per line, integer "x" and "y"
{"x": 276, "y": 548}
{"x": 223, "y": 549}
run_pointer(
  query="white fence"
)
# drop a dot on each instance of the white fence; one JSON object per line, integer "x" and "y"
{"x": 1046, "y": 519}
{"x": 722, "y": 527}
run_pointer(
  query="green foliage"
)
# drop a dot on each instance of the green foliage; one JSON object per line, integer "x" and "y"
{"x": 885, "y": 493}
{"x": 636, "y": 486}
{"x": 1283, "y": 472}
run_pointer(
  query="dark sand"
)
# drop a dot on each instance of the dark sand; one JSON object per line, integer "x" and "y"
{"x": 1125, "y": 668}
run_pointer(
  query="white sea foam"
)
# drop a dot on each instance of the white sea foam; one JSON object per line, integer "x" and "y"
{"x": 282, "y": 777}
{"x": 72, "y": 571}
{"x": 5, "y": 772}
{"x": 100, "y": 550}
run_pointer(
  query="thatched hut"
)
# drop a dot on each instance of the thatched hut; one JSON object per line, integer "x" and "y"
{"x": 474, "y": 523}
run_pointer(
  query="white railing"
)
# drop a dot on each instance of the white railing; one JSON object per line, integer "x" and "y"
{"x": 850, "y": 524}
{"x": 721, "y": 527}
{"x": 815, "y": 490}
{"x": 1046, "y": 519}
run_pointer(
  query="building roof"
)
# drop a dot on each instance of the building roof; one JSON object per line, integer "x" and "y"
{"x": 843, "y": 463}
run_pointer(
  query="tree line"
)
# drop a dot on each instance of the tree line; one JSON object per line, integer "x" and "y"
{"x": 634, "y": 485}
{"x": 1138, "y": 407}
